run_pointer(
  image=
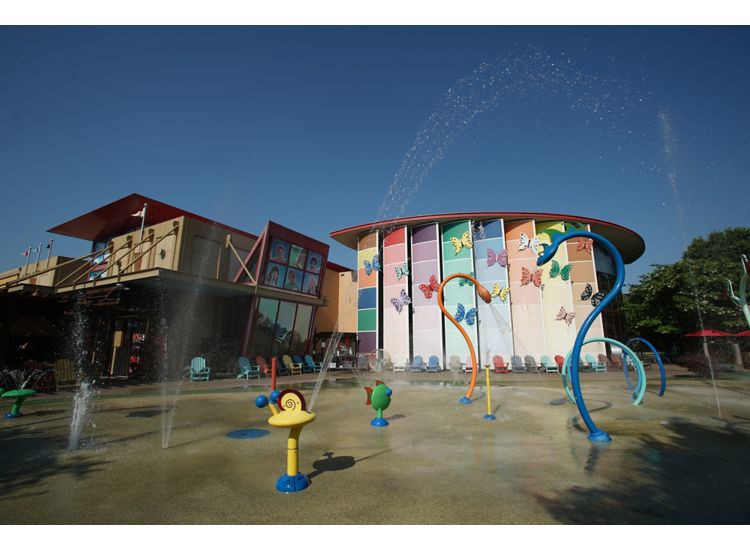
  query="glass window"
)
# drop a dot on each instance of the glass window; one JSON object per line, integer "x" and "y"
{"x": 293, "y": 280}
{"x": 279, "y": 251}
{"x": 283, "y": 328}
{"x": 314, "y": 261}
{"x": 275, "y": 275}
{"x": 297, "y": 257}
{"x": 263, "y": 332}
{"x": 311, "y": 284}
{"x": 301, "y": 328}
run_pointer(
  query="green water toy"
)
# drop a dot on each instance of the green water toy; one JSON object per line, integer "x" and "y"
{"x": 380, "y": 399}
{"x": 20, "y": 396}
{"x": 741, "y": 300}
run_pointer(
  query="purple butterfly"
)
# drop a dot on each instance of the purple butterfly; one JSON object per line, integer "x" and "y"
{"x": 404, "y": 301}
{"x": 501, "y": 258}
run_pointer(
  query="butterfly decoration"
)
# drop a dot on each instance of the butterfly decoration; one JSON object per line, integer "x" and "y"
{"x": 432, "y": 286}
{"x": 566, "y": 316}
{"x": 465, "y": 241}
{"x": 478, "y": 231}
{"x": 587, "y": 292}
{"x": 564, "y": 272}
{"x": 585, "y": 244}
{"x": 527, "y": 277}
{"x": 531, "y": 244}
{"x": 402, "y": 270}
{"x": 461, "y": 314}
{"x": 498, "y": 291}
{"x": 399, "y": 304}
{"x": 464, "y": 282}
{"x": 500, "y": 258}
{"x": 374, "y": 265}
{"x": 597, "y": 298}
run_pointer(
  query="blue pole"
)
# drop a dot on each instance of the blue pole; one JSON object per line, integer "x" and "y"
{"x": 663, "y": 386}
{"x": 595, "y": 434}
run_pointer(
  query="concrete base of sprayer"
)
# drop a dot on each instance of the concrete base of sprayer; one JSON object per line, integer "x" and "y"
{"x": 465, "y": 400}
{"x": 599, "y": 437}
{"x": 292, "y": 484}
{"x": 490, "y": 417}
{"x": 379, "y": 422}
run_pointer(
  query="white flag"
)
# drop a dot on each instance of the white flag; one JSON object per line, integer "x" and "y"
{"x": 140, "y": 213}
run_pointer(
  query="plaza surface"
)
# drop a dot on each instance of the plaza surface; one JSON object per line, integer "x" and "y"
{"x": 677, "y": 459}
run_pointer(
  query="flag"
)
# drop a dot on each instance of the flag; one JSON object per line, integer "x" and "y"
{"x": 25, "y": 252}
{"x": 140, "y": 213}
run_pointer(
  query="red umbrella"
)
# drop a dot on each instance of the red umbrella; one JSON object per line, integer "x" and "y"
{"x": 743, "y": 333}
{"x": 710, "y": 332}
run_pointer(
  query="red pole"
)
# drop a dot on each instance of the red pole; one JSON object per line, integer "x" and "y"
{"x": 273, "y": 373}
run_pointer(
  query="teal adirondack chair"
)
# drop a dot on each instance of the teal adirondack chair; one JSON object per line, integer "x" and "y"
{"x": 549, "y": 365}
{"x": 598, "y": 366}
{"x": 247, "y": 370}
{"x": 198, "y": 369}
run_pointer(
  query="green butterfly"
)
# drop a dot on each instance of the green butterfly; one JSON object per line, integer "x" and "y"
{"x": 463, "y": 282}
{"x": 555, "y": 270}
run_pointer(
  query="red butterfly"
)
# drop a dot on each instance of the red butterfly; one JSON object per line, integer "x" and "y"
{"x": 527, "y": 277}
{"x": 585, "y": 244}
{"x": 428, "y": 289}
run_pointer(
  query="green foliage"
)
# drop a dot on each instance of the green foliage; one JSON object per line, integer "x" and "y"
{"x": 664, "y": 304}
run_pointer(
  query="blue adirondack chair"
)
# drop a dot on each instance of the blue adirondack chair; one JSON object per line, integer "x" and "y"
{"x": 247, "y": 370}
{"x": 433, "y": 364}
{"x": 311, "y": 365}
{"x": 199, "y": 370}
{"x": 417, "y": 364}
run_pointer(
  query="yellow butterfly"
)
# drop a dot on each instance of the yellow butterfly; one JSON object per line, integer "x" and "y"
{"x": 464, "y": 242}
{"x": 501, "y": 292}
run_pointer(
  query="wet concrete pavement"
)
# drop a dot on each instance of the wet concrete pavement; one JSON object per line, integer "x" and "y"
{"x": 676, "y": 459}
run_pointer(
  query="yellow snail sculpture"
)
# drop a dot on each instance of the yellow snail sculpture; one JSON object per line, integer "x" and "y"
{"x": 290, "y": 413}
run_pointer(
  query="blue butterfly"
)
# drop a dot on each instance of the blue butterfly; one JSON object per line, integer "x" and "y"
{"x": 374, "y": 265}
{"x": 461, "y": 314}
{"x": 402, "y": 270}
{"x": 405, "y": 300}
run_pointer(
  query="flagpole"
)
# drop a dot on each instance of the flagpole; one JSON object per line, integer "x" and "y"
{"x": 49, "y": 253}
{"x": 143, "y": 220}
{"x": 38, "y": 253}
{"x": 28, "y": 255}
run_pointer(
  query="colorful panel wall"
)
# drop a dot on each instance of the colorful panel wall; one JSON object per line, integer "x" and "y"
{"x": 557, "y": 296}
{"x": 490, "y": 266}
{"x": 427, "y": 331}
{"x": 395, "y": 281}
{"x": 525, "y": 295}
{"x": 581, "y": 256}
{"x": 458, "y": 258}
{"x": 368, "y": 262}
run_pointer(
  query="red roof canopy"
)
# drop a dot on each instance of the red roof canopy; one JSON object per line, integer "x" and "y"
{"x": 116, "y": 218}
{"x": 710, "y": 332}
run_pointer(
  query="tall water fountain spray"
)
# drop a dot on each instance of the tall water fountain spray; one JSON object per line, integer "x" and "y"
{"x": 84, "y": 391}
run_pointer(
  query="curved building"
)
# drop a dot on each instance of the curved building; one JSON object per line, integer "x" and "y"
{"x": 534, "y": 311}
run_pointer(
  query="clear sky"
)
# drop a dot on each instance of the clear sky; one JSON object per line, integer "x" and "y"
{"x": 322, "y": 128}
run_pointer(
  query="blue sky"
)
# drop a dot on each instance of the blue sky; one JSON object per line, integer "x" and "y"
{"x": 310, "y": 127}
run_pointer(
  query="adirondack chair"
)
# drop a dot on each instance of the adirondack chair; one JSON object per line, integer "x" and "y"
{"x": 363, "y": 362}
{"x": 530, "y": 363}
{"x": 294, "y": 368}
{"x": 311, "y": 365}
{"x": 281, "y": 368}
{"x": 199, "y": 370}
{"x": 433, "y": 364}
{"x": 516, "y": 364}
{"x": 549, "y": 365}
{"x": 417, "y": 364}
{"x": 265, "y": 367}
{"x": 65, "y": 375}
{"x": 559, "y": 360}
{"x": 596, "y": 365}
{"x": 247, "y": 370}
{"x": 454, "y": 363}
{"x": 300, "y": 361}
{"x": 401, "y": 364}
{"x": 499, "y": 363}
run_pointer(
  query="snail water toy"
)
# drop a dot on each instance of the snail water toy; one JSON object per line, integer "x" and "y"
{"x": 291, "y": 414}
{"x": 380, "y": 399}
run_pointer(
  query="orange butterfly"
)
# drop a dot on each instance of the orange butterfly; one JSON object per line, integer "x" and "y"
{"x": 428, "y": 289}
{"x": 585, "y": 244}
{"x": 527, "y": 277}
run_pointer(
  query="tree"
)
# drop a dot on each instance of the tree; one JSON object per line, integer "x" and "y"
{"x": 665, "y": 303}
